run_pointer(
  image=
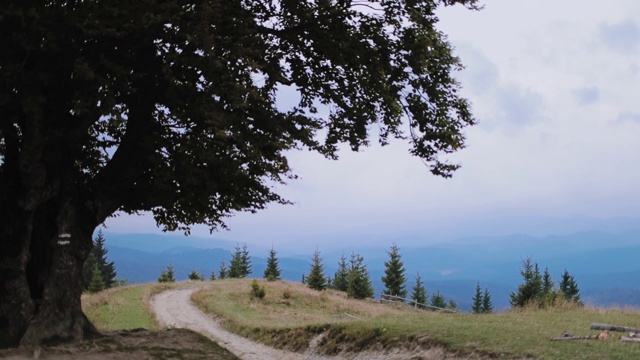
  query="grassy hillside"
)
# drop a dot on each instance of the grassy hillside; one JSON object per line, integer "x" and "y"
{"x": 123, "y": 308}
{"x": 291, "y": 315}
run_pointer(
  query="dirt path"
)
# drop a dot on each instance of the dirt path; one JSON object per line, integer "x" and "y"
{"x": 173, "y": 308}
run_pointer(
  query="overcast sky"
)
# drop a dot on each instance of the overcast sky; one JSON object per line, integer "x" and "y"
{"x": 556, "y": 88}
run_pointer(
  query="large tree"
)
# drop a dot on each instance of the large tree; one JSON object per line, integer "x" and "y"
{"x": 98, "y": 256}
{"x": 341, "y": 276}
{"x": 360, "y": 286}
{"x": 419, "y": 293}
{"x": 173, "y": 107}
{"x": 240, "y": 264}
{"x": 272, "y": 270}
{"x": 530, "y": 290}
{"x": 316, "y": 279}
{"x": 394, "y": 280}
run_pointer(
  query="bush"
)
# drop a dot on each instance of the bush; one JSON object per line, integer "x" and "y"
{"x": 257, "y": 291}
{"x": 286, "y": 294}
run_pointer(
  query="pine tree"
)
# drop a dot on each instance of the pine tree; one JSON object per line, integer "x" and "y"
{"x": 569, "y": 288}
{"x": 98, "y": 255}
{"x": 531, "y": 289}
{"x": 359, "y": 280}
{"x": 452, "y": 305}
{"x": 316, "y": 278}
{"x": 97, "y": 282}
{"x": 194, "y": 275}
{"x": 223, "y": 272}
{"x": 548, "y": 295}
{"x": 438, "y": 300}
{"x": 167, "y": 275}
{"x": 272, "y": 272}
{"x": 487, "y": 305}
{"x": 547, "y": 283}
{"x": 246, "y": 262}
{"x": 477, "y": 300}
{"x": 107, "y": 269}
{"x": 240, "y": 264}
{"x": 419, "y": 292}
{"x": 212, "y": 277}
{"x": 341, "y": 277}
{"x": 394, "y": 280}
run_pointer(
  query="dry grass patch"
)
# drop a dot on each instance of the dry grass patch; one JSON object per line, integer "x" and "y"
{"x": 291, "y": 315}
{"x": 285, "y": 305}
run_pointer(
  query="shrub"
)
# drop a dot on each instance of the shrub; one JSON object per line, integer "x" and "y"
{"x": 257, "y": 291}
{"x": 286, "y": 294}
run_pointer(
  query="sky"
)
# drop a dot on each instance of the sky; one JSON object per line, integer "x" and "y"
{"x": 555, "y": 86}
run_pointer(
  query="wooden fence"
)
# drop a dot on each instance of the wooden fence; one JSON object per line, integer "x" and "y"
{"x": 387, "y": 298}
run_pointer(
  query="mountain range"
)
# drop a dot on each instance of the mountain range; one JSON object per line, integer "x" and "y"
{"x": 604, "y": 264}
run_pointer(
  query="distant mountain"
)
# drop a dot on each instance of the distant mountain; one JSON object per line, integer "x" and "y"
{"x": 156, "y": 243}
{"x": 605, "y": 265}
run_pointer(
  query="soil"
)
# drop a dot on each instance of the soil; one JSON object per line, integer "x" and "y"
{"x": 139, "y": 344}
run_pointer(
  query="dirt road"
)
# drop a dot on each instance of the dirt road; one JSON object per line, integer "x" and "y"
{"x": 173, "y": 308}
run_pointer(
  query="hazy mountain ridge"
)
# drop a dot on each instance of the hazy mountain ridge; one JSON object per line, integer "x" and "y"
{"x": 605, "y": 265}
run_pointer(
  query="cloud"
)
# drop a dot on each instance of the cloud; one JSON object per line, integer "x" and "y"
{"x": 628, "y": 116}
{"x": 623, "y": 37}
{"x": 480, "y": 73}
{"x": 518, "y": 106}
{"x": 497, "y": 103}
{"x": 587, "y": 95}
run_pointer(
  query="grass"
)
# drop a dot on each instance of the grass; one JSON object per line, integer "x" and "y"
{"x": 125, "y": 312}
{"x": 291, "y": 322}
{"x": 120, "y": 308}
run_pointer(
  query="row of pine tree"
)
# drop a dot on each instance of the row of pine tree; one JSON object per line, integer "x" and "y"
{"x": 353, "y": 278}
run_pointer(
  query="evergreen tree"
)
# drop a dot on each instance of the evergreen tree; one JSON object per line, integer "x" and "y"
{"x": 437, "y": 300}
{"x": 477, "y": 300}
{"x": 394, "y": 280}
{"x": 569, "y": 288}
{"x": 359, "y": 280}
{"x": 549, "y": 294}
{"x": 531, "y": 289}
{"x": 487, "y": 305}
{"x": 419, "y": 292}
{"x": 329, "y": 282}
{"x": 167, "y": 275}
{"x": 223, "y": 272}
{"x": 304, "y": 279}
{"x": 212, "y": 277}
{"x": 97, "y": 282}
{"x": 452, "y": 305}
{"x": 547, "y": 283}
{"x": 98, "y": 255}
{"x": 272, "y": 272}
{"x": 316, "y": 278}
{"x": 240, "y": 264}
{"x": 341, "y": 277}
{"x": 194, "y": 275}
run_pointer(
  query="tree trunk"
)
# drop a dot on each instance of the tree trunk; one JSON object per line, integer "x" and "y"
{"x": 41, "y": 282}
{"x": 16, "y": 306}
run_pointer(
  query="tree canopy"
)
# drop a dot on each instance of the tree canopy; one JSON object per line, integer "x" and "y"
{"x": 176, "y": 107}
